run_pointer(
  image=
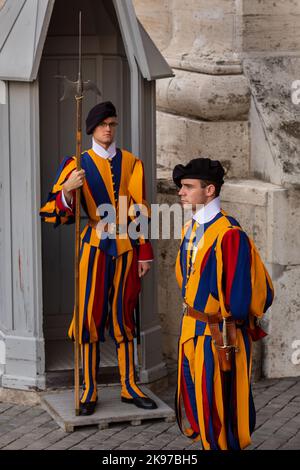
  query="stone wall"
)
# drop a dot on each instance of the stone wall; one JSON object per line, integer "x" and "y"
{"x": 269, "y": 27}
{"x": 224, "y": 102}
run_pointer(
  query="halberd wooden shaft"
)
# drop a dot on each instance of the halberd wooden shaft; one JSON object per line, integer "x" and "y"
{"x": 78, "y": 88}
{"x": 79, "y": 97}
{"x": 77, "y": 258}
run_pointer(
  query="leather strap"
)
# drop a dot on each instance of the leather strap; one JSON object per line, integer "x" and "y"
{"x": 104, "y": 227}
{"x": 93, "y": 224}
{"x": 225, "y": 353}
{"x": 206, "y": 317}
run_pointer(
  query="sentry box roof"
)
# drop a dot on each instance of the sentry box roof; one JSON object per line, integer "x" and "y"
{"x": 23, "y": 30}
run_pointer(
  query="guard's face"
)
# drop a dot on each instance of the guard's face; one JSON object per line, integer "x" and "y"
{"x": 191, "y": 193}
{"x": 105, "y": 132}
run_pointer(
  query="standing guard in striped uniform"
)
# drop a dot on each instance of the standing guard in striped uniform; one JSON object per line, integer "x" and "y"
{"x": 110, "y": 267}
{"x": 226, "y": 289}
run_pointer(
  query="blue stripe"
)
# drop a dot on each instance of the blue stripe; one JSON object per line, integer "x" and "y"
{"x": 51, "y": 196}
{"x": 232, "y": 221}
{"x": 87, "y": 236}
{"x": 204, "y": 288}
{"x": 111, "y": 296}
{"x": 116, "y": 165}
{"x": 109, "y": 245}
{"x": 190, "y": 387}
{"x": 209, "y": 370}
{"x": 95, "y": 181}
{"x": 100, "y": 196}
{"x": 232, "y": 440}
{"x": 200, "y": 232}
{"x": 60, "y": 168}
{"x": 241, "y": 290}
{"x": 200, "y": 328}
{"x": 128, "y": 360}
{"x": 85, "y": 332}
{"x": 183, "y": 257}
{"x": 109, "y": 267}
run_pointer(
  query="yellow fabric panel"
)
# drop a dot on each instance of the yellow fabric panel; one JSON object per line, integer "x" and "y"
{"x": 199, "y": 354}
{"x": 212, "y": 305}
{"x": 89, "y": 367}
{"x": 62, "y": 177}
{"x": 127, "y": 376}
{"x": 135, "y": 186}
{"x": 103, "y": 167}
{"x": 178, "y": 272}
{"x": 259, "y": 278}
{"x": 116, "y": 282}
{"x": 91, "y": 322}
{"x": 89, "y": 201}
{"x": 50, "y": 207}
{"x": 206, "y": 241}
{"x": 188, "y": 328}
{"x": 135, "y": 190}
{"x": 83, "y": 273}
{"x": 128, "y": 162}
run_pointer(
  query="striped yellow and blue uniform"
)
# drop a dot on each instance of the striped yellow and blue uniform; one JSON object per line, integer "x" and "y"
{"x": 108, "y": 279}
{"x": 219, "y": 270}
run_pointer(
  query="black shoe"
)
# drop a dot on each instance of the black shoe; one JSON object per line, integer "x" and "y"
{"x": 141, "y": 402}
{"x": 87, "y": 409}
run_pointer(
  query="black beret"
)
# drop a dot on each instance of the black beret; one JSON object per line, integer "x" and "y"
{"x": 98, "y": 113}
{"x": 200, "y": 169}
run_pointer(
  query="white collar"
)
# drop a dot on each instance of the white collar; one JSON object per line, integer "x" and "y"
{"x": 101, "y": 152}
{"x": 208, "y": 212}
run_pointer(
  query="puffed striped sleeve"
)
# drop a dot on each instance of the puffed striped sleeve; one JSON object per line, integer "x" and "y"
{"x": 137, "y": 192}
{"x": 244, "y": 285}
{"x": 54, "y": 211}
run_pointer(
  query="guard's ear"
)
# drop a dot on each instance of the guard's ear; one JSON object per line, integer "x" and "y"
{"x": 210, "y": 190}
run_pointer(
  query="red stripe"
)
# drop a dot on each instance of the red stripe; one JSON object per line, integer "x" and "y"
{"x": 230, "y": 250}
{"x": 186, "y": 400}
{"x": 97, "y": 310}
{"x": 256, "y": 333}
{"x": 146, "y": 252}
{"x": 205, "y": 259}
{"x": 131, "y": 292}
{"x": 62, "y": 207}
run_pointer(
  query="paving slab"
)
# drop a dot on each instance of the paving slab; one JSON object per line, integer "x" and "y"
{"x": 110, "y": 409}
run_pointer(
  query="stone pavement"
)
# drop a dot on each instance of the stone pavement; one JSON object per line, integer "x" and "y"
{"x": 277, "y": 403}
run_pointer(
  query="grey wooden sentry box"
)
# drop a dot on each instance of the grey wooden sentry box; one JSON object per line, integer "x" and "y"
{"x": 38, "y": 39}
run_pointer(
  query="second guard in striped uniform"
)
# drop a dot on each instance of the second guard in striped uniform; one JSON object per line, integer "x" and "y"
{"x": 110, "y": 267}
{"x": 226, "y": 289}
